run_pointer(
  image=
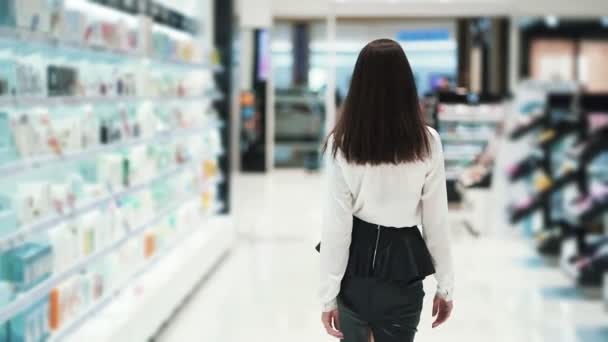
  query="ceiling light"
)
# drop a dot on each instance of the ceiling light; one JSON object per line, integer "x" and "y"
{"x": 552, "y": 21}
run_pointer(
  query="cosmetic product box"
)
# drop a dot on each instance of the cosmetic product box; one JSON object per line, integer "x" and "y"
{"x": 65, "y": 246}
{"x": 8, "y": 78}
{"x": 34, "y": 15}
{"x": 27, "y": 265}
{"x": 7, "y": 294}
{"x": 113, "y": 169}
{"x": 72, "y": 29}
{"x": 69, "y": 133}
{"x": 8, "y": 216}
{"x": 67, "y": 300}
{"x": 7, "y": 13}
{"x": 32, "y": 324}
{"x": 8, "y": 150}
{"x": 23, "y": 132}
{"x": 61, "y": 81}
{"x": 33, "y": 201}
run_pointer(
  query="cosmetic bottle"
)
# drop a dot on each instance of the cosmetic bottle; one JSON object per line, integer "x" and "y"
{"x": 33, "y": 201}
{"x": 110, "y": 170}
{"x": 87, "y": 233}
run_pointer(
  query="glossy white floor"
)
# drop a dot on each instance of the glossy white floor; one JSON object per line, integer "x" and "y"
{"x": 265, "y": 291}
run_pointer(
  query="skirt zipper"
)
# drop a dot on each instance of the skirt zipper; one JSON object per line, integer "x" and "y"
{"x": 376, "y": 249}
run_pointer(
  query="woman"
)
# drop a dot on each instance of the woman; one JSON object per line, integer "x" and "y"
{"x": 386, "y": 178}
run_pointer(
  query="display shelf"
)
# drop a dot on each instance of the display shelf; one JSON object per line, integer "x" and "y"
{"x": 543, "y": 196}
{"x": 145, "y": 305}
{"x": 522, "y": 130}
{"x": 26, "y": 165}
{"x": 31, "y": 101}
{"x": 43, "y": 225}
{"x": 114, "y": 293}
{"x": 464, "y": 156}
{"x": 459, "y": 137}
{"x": 494, "y": 119}
{"x": 34, "y": 295}
{"x": 17, "y": 35}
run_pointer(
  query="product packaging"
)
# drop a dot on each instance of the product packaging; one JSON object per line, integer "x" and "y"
{"x": 149, "y": 244}
{"x": 90, "y": 128}
{"x": 8, "y": 217}
{"x": 27, "y": 265}
{"x": 110, "y": 170}
{"x": 7, "y": 13}
{"x": 8, "y": 77}
{"x": 61, "y": 80}
{"x": 8, "y": 150}
{"x": 31, "y": 325}
{"x": 34, "y": 201}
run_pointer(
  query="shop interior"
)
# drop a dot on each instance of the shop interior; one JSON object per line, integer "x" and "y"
{"x": 161, "y": 170}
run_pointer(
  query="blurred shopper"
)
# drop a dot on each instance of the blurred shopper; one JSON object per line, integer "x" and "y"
{"x": 386, "y": 178}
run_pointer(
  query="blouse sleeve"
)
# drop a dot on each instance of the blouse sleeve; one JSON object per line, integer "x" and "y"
{"x": 336, "y": 231}
{"x": 435, "y": 220}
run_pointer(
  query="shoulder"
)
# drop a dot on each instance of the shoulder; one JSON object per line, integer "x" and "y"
{"x": 436, "y": 146}
{"x": 434, "y": 137}
{"x": 433, "y": 133}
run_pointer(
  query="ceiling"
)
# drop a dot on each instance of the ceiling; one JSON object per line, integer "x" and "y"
{"x": 437, "y": 8}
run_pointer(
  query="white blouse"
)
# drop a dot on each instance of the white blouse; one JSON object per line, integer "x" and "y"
{"x": 405, "y": 195}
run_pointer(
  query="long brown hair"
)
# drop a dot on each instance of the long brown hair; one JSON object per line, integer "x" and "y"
{"x": 381, "y": 121}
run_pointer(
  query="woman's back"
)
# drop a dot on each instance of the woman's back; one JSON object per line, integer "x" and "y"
{"x": 390, "y": 194}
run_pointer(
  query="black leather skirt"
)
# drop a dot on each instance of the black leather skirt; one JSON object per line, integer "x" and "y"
{"x": 387, "y": 253}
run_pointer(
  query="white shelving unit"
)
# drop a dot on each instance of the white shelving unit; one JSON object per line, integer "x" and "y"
{"x": 125, "y": 312}
{"x": 50, "y": 41}
{"x": 25, "y": 165}
{"x": 79, "y": 101}
{"x": 137, "y": 311}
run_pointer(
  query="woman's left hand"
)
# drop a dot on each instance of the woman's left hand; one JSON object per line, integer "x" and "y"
{"x": 331, "y": 322}
{"x": 442, "y": 309}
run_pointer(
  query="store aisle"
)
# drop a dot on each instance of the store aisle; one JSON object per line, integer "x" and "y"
{"x": 265, "y": 291}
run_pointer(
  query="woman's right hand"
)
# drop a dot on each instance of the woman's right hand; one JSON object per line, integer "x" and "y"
{"x": 442, "y": 309}
{"x": 331, "y": 322}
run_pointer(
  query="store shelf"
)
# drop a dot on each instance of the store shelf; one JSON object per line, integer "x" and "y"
{"x": 493, "y": 119}
{"x": 19, "y": 36}
{"x": 26, "y": 165}
{"x": 524, "y": 129}
{"x": 543, "y": 196}
{"x": 59, "y": 101}
{"x": 144, "y": 305}
{"x": 32, "y": 296}
{"x": 464, "y": 156}
{"x": 43, "y": 225}
{"x": 460, "y": 137}
{"x": 72, "y": 326}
